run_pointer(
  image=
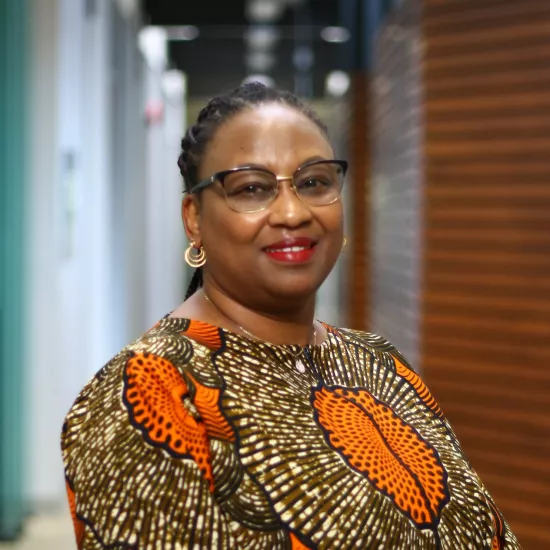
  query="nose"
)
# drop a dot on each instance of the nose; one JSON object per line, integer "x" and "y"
{"x": 287, "y": 209}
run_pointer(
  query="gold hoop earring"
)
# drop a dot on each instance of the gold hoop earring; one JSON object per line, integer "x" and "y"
{"x": 198, "y": 259}
{"x": 344, "y": 242}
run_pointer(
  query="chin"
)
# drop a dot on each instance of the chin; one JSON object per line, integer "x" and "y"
{"x": 294, "y": 287}
{"x": 286, "y": 284}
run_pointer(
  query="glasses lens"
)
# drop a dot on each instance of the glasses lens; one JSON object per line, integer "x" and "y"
{"x": 320, "y": 183}
{"x": 249, "y": 190}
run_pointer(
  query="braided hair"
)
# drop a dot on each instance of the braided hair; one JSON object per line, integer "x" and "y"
{"x": 217, "y": 111}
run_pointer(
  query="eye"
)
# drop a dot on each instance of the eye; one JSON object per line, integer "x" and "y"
{"x": 250, "y": 188}
{"x": 314, "y": 183}
{"x": 248, "y": 183}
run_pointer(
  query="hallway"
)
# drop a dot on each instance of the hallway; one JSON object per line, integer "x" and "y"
{"x": 46, "y": 532}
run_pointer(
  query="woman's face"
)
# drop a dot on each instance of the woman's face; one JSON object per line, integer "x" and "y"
{"x": 247, "y": 253}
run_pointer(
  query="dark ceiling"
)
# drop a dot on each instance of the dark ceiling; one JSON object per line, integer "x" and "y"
{"x": 215, "y": 61}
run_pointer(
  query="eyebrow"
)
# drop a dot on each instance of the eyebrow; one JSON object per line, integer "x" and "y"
{"x": 264, "y": 167}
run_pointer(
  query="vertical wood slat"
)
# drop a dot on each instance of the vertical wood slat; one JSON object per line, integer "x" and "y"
{"x": 358, "y": 183}
{"x": 486, "y": 299}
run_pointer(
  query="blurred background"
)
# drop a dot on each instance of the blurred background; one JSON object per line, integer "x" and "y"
{"x": 442, "y": 108}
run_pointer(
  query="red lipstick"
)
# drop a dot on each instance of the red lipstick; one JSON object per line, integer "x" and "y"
{"x": 296, "y": 250}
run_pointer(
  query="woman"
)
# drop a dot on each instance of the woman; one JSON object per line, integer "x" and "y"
{"x": 240, "y": 421}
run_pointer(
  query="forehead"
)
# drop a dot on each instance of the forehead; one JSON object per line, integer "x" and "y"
{"x": 274, "y": 135}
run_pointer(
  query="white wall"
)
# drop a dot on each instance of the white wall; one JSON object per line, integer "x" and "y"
{"x": 69, "y": 251}
{"x": 87, "y": 291}
{"x": 173, "y": 281}
{"x": 44, "y": 377}
{"x": 165, "y": 242}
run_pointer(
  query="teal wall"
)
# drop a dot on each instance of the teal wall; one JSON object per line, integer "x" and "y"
{"x": 13, "y": 163}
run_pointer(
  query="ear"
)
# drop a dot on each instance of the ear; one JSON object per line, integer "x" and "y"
{"x": 190, "y": 214}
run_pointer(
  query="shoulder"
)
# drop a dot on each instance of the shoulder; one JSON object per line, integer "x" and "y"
{"x": 165, "y": 361}
{"x": 379, "y": 346}
{"x": 150, "y": 410}
{"x": 390, "y": 358}
{"x": 177, "y": 342}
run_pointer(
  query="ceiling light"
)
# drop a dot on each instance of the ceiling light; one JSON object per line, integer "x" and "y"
{"x": 336, "y": 35}
{"x": 264, "y": 11}
{"x": 260, "y": 61}
{"x": 337, "y": 83}
{"x": 261, "y": 37}
{"x": 183, "y": 32}
{"x": 152, "y": 43}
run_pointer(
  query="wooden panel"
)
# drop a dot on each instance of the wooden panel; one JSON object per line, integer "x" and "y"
{"x": 358, "y": 183}
{"x": 486, "y": 293}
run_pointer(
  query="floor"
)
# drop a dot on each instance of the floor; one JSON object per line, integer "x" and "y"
{"x": 45, "y": 532}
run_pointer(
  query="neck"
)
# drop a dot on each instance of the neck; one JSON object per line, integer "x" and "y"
{"x": 287, "y": 326}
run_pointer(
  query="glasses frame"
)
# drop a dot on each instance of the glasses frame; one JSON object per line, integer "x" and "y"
{"x": 220, "y": 176}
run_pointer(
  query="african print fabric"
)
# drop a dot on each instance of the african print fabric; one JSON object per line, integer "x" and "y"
{"x": 195, "y": 437}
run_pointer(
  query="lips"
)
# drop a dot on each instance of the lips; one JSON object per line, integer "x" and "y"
{"x": 296, "y": 250}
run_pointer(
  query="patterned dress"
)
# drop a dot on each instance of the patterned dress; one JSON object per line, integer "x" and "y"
{"x": 194, "y": 437}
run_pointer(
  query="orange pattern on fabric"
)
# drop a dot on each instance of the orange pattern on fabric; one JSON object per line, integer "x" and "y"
{"x": 498, "y": 526}
{"x": 417, "y": 383}
{"x": 204, "y": 333}
{"x": 377, "y": 443}
{"x": 78, "y": 525}
{"x": 159, "y": 405}
{"x": 297, "y": 544}
{"x": 330, "y": 328}
{"x": 207, "y": 402}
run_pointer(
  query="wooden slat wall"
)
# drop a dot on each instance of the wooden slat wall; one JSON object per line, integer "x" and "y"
{"x": 486, "y": 295}
{"x": 358, "y": 193}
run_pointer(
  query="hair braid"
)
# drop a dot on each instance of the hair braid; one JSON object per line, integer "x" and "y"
{"x": 195, "y": 284}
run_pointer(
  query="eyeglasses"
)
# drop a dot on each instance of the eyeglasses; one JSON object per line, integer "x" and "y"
{"x": 251, "y": 189}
